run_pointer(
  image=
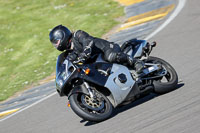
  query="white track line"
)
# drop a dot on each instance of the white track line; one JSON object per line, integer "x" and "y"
{"x": 28, "y": 106}
{"x": 180, "y": 6}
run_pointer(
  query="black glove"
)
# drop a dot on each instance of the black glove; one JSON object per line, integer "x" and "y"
{"x": 72, "y": 56}
{"x": 86, "y": 53}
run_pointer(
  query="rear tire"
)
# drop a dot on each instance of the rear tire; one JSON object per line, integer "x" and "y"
{"x": 86, "y": 112}
{"x": 171, "y": 77}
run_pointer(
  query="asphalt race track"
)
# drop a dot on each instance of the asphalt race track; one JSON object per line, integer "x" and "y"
{"x": 175, "y": 112}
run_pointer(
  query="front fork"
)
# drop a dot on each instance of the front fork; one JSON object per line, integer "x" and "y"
{"x": 89, "y": 90}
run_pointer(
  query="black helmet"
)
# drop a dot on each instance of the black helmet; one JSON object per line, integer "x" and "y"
{"x": 60, "y": 37}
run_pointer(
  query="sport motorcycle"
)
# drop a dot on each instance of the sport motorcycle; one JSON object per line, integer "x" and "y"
{"x": 95, "y": 88}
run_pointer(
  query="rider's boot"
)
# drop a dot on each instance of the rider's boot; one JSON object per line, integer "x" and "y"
{"x": 137, "y": 64}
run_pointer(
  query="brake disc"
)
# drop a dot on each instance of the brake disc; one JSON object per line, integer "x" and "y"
{"x": 93, "y": 104}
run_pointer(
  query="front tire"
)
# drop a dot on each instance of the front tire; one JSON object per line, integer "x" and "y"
{"x": 91, "y": 111}
{"x": 171, "y": 77}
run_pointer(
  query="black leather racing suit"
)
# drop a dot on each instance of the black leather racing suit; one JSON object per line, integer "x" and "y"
{"x": 85, "y": 46}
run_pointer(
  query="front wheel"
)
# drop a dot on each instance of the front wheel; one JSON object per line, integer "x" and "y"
{"x": 168, "y": 82}
{"x": 95, "y": 110}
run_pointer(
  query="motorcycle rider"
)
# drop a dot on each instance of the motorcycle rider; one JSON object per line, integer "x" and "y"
{"x": 84, "y": 46}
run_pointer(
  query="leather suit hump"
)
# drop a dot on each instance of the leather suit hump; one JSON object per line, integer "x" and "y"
{"x": 82, "y": 41}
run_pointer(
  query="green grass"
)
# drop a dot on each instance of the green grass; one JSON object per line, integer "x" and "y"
{"x": 26, "y": 54}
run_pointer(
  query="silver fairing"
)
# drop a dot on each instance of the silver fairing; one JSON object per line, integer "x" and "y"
{"x": 119, "y": 90}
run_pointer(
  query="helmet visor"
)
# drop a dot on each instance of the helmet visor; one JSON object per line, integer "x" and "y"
{"x": 56, "y": 42}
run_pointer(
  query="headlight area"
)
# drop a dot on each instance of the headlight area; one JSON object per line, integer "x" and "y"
{"x": 63, "y": 76}
{"x": 60, "y": 80}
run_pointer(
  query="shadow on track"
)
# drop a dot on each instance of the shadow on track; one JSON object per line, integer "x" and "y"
{"x": 131, "y": 105}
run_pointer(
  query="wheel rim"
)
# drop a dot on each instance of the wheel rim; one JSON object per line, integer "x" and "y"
{"x": 86, "y": 104}
{"x": 92, "y": 104}
{"x": 168, "y": 77}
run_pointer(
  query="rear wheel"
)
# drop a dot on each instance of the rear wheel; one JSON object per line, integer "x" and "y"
{"x": 168, "y": 82}
{"x": 95, "y": 110}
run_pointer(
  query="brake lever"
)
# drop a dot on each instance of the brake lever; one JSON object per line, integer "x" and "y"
{"x": 80, "y": 60}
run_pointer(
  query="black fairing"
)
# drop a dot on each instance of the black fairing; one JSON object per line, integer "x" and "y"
{"x": 63, "y": 74}
{"x": 96, "y": 76}
{"x": 72, "y": 72}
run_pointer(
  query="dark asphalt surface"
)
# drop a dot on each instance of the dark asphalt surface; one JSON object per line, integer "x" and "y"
{"x": 175, "y": 112}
